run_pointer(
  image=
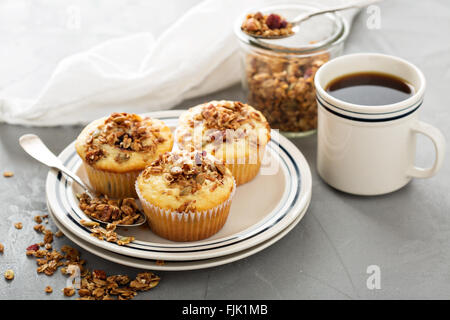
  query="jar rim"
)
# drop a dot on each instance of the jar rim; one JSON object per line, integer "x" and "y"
{"x": 337, "y": 37}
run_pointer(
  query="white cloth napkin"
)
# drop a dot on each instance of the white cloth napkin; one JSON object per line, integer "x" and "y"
{"x": 140, "y": 73}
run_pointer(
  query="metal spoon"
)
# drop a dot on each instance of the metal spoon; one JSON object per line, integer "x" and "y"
{"x": 305, "y": 16}
{"x": 34, "y": 146}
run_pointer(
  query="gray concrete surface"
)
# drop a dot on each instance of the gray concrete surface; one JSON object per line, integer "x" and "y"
{"x": 406, "y": 233}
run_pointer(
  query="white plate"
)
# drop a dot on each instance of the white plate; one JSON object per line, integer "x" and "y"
{"x": 261, "y": 208}
{"x": 171, "y": 265}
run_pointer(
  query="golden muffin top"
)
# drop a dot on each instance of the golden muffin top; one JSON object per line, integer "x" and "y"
{"x": 226, "y": 129}
{"x": 186, "y": 181}
{"x": 123, "y": 142}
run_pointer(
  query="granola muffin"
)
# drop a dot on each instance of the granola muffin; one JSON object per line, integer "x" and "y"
{"x": 232, "y": 131}
{"x": 117, "y": 148}
{"x": 186, "y": 195}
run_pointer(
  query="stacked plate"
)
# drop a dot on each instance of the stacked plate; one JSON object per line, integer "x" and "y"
{"x": 263, "y": 211}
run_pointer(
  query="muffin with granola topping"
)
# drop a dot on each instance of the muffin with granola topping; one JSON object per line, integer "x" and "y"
{"x": 186, "y": 195}
{"x": 117, "y": 148}
{"x": 232, "y": 131}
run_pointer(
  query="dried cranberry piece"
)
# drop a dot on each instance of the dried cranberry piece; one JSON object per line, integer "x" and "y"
{"x": 273, "y": 21}
{"x": 283, "y": 24}
{"x": 308, "y": 73}
{"x": 99, "y": 274}
{"x": 33, "y": 247}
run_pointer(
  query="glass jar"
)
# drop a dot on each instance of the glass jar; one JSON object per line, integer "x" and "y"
{"x": 278, "y": 74}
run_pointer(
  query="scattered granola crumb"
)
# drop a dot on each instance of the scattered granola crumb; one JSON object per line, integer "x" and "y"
{"x": 125, "y": 240}
{"x": 68, "y": 292}
{"x": 160, "y": 262}
{"x": 9, "y": 274}
{"x": 8, "y": 174}
{"x": 59, "y": 234}
{"x": 95, "y": 285}
{"x": 39, "y": 228}
{"x": 107, "y": 234}
{"x": 2, "y": 248}
{"x": 48, "y": 237}
{"x": 89, "y": 224}
{"x": 38, "y": 219}
{"x": 18, "y": 225}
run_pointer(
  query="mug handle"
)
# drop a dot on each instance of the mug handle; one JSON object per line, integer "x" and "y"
{"x": 439, "y": 145}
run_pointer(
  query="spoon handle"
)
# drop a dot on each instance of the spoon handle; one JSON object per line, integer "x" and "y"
{"x": 356, "y": 4}
{"x": 34, "y": 146}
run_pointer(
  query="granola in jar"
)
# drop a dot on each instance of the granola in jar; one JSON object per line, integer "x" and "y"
{"x": 282, "y": 88}
{"x": 278, "y": 74}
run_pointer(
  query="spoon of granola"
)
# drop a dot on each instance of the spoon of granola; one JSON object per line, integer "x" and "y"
{"x": 122, "y": 212}
{"x": 274, "y": 26}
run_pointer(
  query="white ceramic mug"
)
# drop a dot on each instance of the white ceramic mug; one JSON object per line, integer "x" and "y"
{"x": 370, "y": 150}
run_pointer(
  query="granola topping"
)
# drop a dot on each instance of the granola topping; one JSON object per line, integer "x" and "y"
{"x": 121, "y": 211}
{"x": 218, "y": 124}
{"x": 127, "y": 132}
{"x": 269, "y": 25}
{"x": 184, "y": 173}
{"x": 225, "y": 115}
{"x": 187, "y": 171}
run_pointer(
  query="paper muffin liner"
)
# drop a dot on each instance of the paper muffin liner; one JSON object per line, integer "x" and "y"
{"x": 114, "y": 185}
{"x": 186, "y": 226}
{"x": 242, "y": 170}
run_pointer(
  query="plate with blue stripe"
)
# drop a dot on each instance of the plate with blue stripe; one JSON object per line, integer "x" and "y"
{"x": 261, "y": 208}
